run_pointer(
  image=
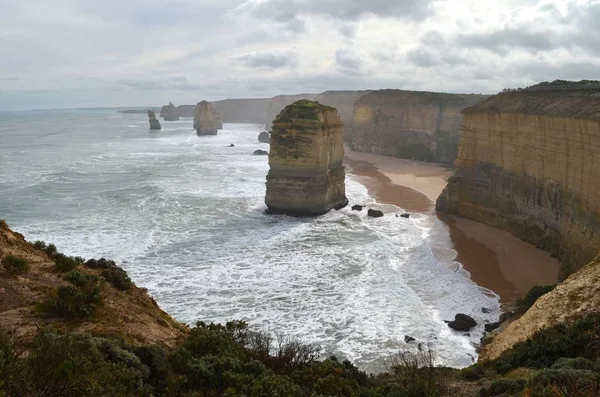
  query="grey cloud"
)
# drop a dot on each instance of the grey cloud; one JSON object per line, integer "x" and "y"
{"x": 502, "y": 41}
{"x": 285, "y": 10}
{"x": 350, "y": 62}
{"x": 269, "y": 60}
{"x": 423, "y": 57}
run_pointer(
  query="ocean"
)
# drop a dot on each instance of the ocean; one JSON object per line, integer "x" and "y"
{"x": 184, "y": 215}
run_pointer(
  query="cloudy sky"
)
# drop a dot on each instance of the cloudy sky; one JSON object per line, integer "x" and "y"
{"x": 79, "y": 53}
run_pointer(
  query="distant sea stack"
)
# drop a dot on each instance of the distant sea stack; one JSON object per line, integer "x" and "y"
{"x": 169, "y": 112}
{"x": 204, "y": 122}
{"x": 154, "y": 123}
{"x": 306, "y": 175}
{"x": 410, "y": 124}
{"x": 218, "y": 119}
{"x": 528, "y": 163}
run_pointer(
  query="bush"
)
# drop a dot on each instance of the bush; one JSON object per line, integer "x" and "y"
{"x": 534, "y": 294}
{"x": 66, "y": 263}
{"x": 76, "y": 301}
{"x": 474, "y": 372}
{"x": 40, "y": 245}
{"x": 15, "y": 265}
{"x": 502, "y": 386}
{"x": 567, "y": 382}
{"x": 50, "y": 249}
{"x": 117, "y": 277}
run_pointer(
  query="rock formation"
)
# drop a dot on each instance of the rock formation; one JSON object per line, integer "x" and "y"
{"x": 169, "y": 112}
{"x": 154, "y": 123}
{"x": 306, "y": 175}
{"x": 527, "y": 163}
{"x": 409, "y": 124}
{"x": 276, "y": 105}
{"x": 204, "y": 122}
{"x": 264, "y": 137}
{"x": 218, "y": 119}
{"x": 344, "y": 102}
{"x": 260, "y": 152}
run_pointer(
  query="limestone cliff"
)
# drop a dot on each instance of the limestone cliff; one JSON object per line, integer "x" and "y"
{"x": 276, "y": 105}
{"x": 410, "y": 124}
{"x": 234, "y": 110}
{"x": 527, "y": 163}
{"x": 154, "y": 123}
{"x": 306, "y": 175}
{"x": 131, "y": 314}
{"x": 204, "y": 122}
{"x": 344, "y": 102}
{"x": 574, "y": 298}
{"x": 169, "y": 112}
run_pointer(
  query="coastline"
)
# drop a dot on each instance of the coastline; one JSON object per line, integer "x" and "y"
{"x": 496, "y": 259}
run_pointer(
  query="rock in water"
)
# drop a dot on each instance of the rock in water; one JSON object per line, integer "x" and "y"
{"x": 405, "y": 215}
{"x": 260, "y": 152}
{"x": 218, "y": 119}
{"x": 408, "y": 339}
{"x": 204, "y": 119}
{"x": 154, "y": 123}
{"x": 375, "y": 213}
{"x": 306, "y": 175}
{"x": 264, "y": 137}
{"x": 169, "y": 112}
{"x": 462, "y": 322}
{"x": 357, "y": 207}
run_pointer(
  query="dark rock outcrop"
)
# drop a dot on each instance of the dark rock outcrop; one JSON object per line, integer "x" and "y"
{"x": 154, "y": 123}
{"x": 374, "y": 213}
{"x": 408, "y": 339}
{"x": 264, "y": 137}
{"x": 260, "y": 152}
{"x": 357, "y": 207}
{"x": 306, "y": 175}
{"x": 405, "y": 215}
{"x": 204, "y": 122}
{"x": 169, "y": 112}
{"x": 462, "y": 322}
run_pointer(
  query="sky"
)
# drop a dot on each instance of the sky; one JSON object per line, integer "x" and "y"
{"x": 87, "y": 53}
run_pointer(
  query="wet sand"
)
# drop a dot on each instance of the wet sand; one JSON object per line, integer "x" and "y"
{"x": 496, "y": 259}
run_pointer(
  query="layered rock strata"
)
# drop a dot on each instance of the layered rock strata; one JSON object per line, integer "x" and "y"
{"x": 528, "y": 164}
{"x": 154, "y": 123}
{"x": 410, "y": 124}
{"x": 204, "y": 122}
{"x": 306, "y": 175}
{"x": 344, "y": 102}
{"x": 169, "y": 112}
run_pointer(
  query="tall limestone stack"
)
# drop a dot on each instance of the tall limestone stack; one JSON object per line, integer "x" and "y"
{"x": 218, "y": 119}
{"x": 154, "y": 123}
{"x": 306, "y": 175}
{"x": 529, "y": 163}
{"x": 204, "y": 122}
{"x": 169, "y": 112}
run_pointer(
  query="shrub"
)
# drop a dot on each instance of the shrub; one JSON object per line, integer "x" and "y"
{"x": 66, "y": 263}
{"x": 40, "y": 245}
{"x": 502, "y": 386}
{"x": 567, "y": 382}
{"x": 15, "y": 265}
{"x": 415, "y": 375}
{"x": 78, "y": 300}
{"x": 474, "y": 372}
{"x": 534, "y": 294}
{"x": 117, "y": 277}
{"x": 50, "y": 249}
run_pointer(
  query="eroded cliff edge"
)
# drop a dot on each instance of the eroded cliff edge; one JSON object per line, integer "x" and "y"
{"x": 410, "y": 124}
{"x": 306, "y": 175}
{"x": 528, "y": 163}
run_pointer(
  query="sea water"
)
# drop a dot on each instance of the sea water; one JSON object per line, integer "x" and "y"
{"x": 184, "y": 215}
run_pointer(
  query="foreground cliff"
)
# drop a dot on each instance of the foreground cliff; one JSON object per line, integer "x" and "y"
{"x": 410, "y": 124}
{"x": 344, "y": 102}
{"x": 527, "y": 164}
{"x": 306, "y": 175}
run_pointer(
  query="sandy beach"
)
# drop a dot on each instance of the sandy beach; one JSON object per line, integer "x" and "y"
{"x": 496, "y": 259}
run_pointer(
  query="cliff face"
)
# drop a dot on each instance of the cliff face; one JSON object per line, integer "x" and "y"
{"x": 132, "y": 314}
{"x": 169, "y": 112}
{"x": 527, "y": 163}
{"x": 306, "y": 175}
{"x": 409, "y": 124}
{"x": 576, "y": 297}
{"x": 276, "y": 105}
{"x": 154, "y": 123}
{"x": 344, "y": 102}
{"x": 243, "y": 110}
{"x": 204, "y": 122}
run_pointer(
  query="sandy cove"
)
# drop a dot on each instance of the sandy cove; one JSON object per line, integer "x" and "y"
{"x": 496, "y": 259}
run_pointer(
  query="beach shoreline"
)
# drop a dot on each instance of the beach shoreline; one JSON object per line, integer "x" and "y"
{"x": 495, "y": 259}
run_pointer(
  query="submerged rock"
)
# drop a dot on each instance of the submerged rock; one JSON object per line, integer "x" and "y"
{"x": 405, "y": 215}
{"x": 374, "y": 213}
{"x": 260, "y": 152}
{"x": 264, "y": 137}
{"x": 154, "y": 123}
{"x": 306, "y": 175}
{"x": 232, "y": 145}
{"x": 408, "y": 339}
{"x": 169, "y": 112}
{"x": 357, "y": 207}
{"x": 204, "y": 122}
{"x": 462, "y": 322}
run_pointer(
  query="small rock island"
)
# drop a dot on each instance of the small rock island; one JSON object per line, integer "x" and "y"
{"x": 154, "y": 123}
{"x": 204, "y": 119}
{"x": 169, "y": 112}
{"x": 306, "y": 175}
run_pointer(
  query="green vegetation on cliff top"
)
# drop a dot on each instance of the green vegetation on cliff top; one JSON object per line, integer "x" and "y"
{"x": 302, "y": 110}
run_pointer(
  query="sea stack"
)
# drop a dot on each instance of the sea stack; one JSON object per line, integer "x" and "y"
{"x": 204, "y": 122}
{"x": 306, "y": 175}
{"x": 218, "y": 119}
{"x": 169, "y": 112}
{"x": 154, "y": 123}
